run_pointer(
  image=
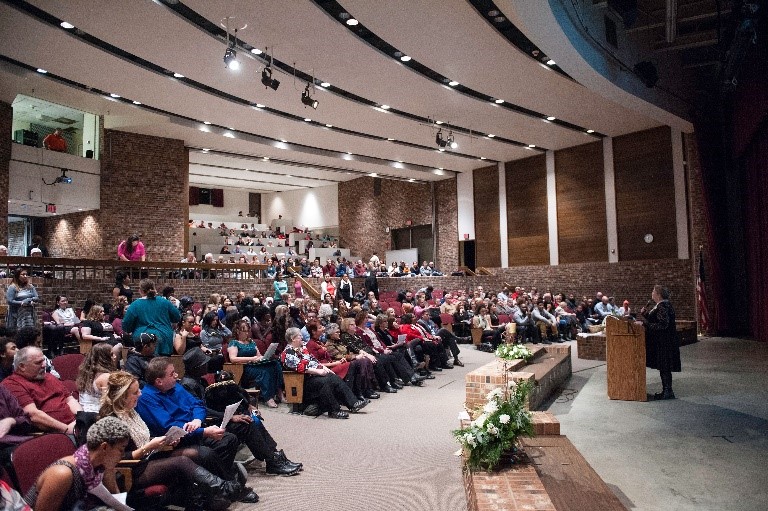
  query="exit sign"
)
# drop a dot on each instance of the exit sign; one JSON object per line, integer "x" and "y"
{"x": 50, "y": 208}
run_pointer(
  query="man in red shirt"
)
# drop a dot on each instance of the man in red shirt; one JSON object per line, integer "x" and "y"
{"x": 55, "y": 142}
{"x": 45, "y": 399}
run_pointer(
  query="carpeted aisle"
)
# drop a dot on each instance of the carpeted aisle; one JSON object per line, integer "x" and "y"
{"x": 398, "y": 454}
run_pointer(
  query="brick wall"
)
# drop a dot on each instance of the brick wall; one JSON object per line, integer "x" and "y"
{"x": 697, "y": 210}
{"x": 75, "y": 235}
{"x": 144, "y": 183}
{"x": 364, "y": 216}
{"x": 6, "y": 125}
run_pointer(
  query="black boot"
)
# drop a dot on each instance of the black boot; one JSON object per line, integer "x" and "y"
{"x": 215, "y": 492}
{"x": 666, "y": 386}
{"x": 277, "y": 466}
{"x": 281, "y": 453}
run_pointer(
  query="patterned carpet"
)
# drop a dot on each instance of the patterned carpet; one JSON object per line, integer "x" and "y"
{"x": 398, "y": 454}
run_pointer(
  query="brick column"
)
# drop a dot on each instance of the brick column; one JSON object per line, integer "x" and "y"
{"x": 144, "y": 190}
{"x": 6, "y": 123}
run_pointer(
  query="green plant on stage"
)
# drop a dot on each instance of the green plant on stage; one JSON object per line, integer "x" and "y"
{"x": 496, "y": 426}
{"x": 514, "y": 352}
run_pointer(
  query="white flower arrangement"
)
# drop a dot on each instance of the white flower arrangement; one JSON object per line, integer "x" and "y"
{"x": 496, "y": 426}
{"x": 514, "y": 352}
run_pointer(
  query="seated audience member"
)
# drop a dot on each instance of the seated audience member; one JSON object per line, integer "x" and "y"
{"x": 246, "y": 424}
{"x": 139, "y": 357}
{"x": 213, "y": 333}
{"x": 603, "y": 308}
{"x": 14, "y": 423}
{"x": 321, "y": 386}
{"x": 92, "y": 329}
{"x": 449, "y": 339}
{"x": 424, "y": 346}
{"x": 45, "y": 399}
{"x": 265, "y": 374}
{"x": 164, "y": 403}
{"x": 462, "y": 320}
{"x": 526, "y": 328}
{"x": 64, "y": 318}
{"x": 567, "y": 324}
{"x": 355, "y": 369}
{"x": 159, "y": 465}
{"x": 482, "y": 320}
{"x": 387, "y": 341}
{"x": 92, "y": 376}
{"x": 546, "y": 323}
{"x": 352, "y": 338}
{"x": 64, "y": 485}
{"x": 29, "y": 336}
{"x": 8, "y": 350}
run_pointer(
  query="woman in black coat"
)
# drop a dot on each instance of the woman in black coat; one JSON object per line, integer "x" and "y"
{"x": 661, "y": 348}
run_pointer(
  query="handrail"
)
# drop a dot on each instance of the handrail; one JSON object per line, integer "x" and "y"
{"x": 467, "y": 271}
{"x": 482, "y": 270}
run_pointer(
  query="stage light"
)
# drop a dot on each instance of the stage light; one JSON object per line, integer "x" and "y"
{"x": 308, "y": 100}
{"x": 230, "y": 59}
{"x": 267, "y": 80}
{"x": 452, "y": 142}
{"x": 439, "y": 140}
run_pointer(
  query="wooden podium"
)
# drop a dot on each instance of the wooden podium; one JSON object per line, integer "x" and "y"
{"x": 625, "y": 357}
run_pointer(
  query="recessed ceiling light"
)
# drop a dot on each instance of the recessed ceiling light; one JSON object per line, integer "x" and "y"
{"x": 352, "y": 22}
{"x": 531, "y": 145}
{"x": 66, "y": 24}
{"x": 137, "y": 102}
{"x": 438, "y": 122}
{"x": 283, "y": 141}
{"x": 289, "y": 176}
{"x": 266, "y": 158}
{"x": 349, "y": 153}
{"x": 550, "y": 62}
{"x": 373, "y": 174}
{"x": 390, "y": 139}
{"x": 325, "y": 84}
{"x": 206, "y": 122}
{"x": 259, "y": 105}
{"x": 405, "y": 58}
{"x": 399, "y": 161}
{"x": 551, "y": 118}
{"x": 439, "y": 168}
{"x": 590, "y": 131}
{"x": 453, "y": 83}
{"x": 499, "y": 101}
{"x": 42, "y": 71}
{"x": 329, "y": 125}
{"x": 256, "y": 51}
{"x": 411, "y": 180}
{"x": 229, "y": 135}
{"x": 113, "y": 95}
{"x": 442, "y": 149}
{"x": 307, "y": 119}
{"x": 205, "y": 149}
{"x": 482, "y": 158}
{"x": 491, "y": 135}
{"x": 493, "y": 13}
{"x": 385, "y": 107}
{"x": 499, "y": 19}
{"x": 178, "y": 75}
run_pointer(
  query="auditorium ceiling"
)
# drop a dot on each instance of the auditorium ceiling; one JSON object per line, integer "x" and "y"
{"x": 378, "y": 112}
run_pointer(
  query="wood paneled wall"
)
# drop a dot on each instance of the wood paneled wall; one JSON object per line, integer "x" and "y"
{"x": 645, "y": 195}
{"x": 581, "y": 223}
{"x": 486, "y": 199}
{"x": 527, "y": 226}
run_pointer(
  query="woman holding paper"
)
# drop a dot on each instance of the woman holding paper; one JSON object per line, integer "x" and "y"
{"x": 266, "y": 374}
{"x": 159, "y": 463}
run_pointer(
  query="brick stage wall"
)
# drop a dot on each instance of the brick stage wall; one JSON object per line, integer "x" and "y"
{"x": 6, "y": 125}
{"x": 364, "y": 216}
{"x": 144, "y": 191}
{"x": 697, "y": 216}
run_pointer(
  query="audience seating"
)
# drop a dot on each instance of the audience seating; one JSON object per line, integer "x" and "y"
{"x": 477, "y": 335}
{"x": 235, "y": 369}
{"x": 30, "y": 458}
{"x": 178, "y": 365}
{"x": 71, "y": 387}
{"x": 67, "y": 365}
{"x": 294, "y": 389}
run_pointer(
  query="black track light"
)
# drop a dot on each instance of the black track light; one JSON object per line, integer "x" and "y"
{"x": 451, "y": 141}
{"x": 307, "y": 99}
{"x": 230, "y": 59}
{"x": 267, "y": 80}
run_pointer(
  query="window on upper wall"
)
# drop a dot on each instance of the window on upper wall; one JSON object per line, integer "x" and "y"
{"x": 35, "y": 118}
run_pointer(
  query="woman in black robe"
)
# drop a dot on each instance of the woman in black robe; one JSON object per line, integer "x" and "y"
{"x": 661, "y": 347}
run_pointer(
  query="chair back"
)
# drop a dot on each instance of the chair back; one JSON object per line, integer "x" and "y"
{"x": 31, "y": 458}
{"x": 504, "y": 319}
{"x": 68, "y": 365}
{"x": 72, "y": 388}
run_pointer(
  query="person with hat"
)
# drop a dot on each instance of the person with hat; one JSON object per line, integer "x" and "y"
{"x": 246, "y": 424}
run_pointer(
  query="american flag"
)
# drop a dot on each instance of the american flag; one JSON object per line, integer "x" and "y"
{"x": 701, "y": 296}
